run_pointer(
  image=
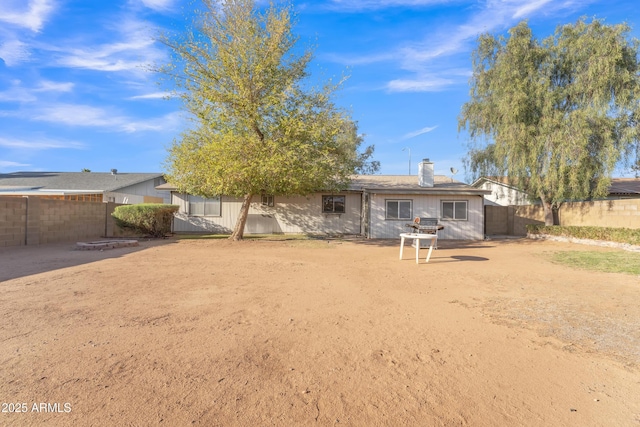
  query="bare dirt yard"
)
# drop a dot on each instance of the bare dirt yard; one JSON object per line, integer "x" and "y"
{"x": 300, "y": 333}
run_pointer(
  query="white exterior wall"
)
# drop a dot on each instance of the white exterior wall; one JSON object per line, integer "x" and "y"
{"x": 502, "y": 195}
{"x": 135, "y": 194}
{"x": 427, "y": 207}
{"x": 288, "y": 215}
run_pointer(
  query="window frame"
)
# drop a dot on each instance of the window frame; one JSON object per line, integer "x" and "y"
{"x": 333, "y": 211}
{"x": 204, "y": 202}
{"x": 453, "y": 207}
{"x": 267, "y": 200}
{"x": 398, "y": 201}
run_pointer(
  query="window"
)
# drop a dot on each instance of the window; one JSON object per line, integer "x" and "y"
{"x": 267, "y": 200}
{"x": 399, "y": 209}
{"x": 199, "y": 206}
{"x": 333, "y": 204}
{"x": 455, "y": 210}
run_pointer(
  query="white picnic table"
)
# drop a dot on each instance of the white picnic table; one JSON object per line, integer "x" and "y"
{"x": 416, "y": 238}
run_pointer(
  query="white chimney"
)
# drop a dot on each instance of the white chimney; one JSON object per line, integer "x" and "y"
{"x": 425, "y": 173}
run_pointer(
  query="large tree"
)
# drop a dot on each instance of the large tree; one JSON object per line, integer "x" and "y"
{"x": 556, "y": 116}
{"x": 259, "y": 126}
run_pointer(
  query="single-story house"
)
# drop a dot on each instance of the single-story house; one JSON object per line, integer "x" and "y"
{"x": 374, "y": 206}
{"x": 126, "y": 188}
{"x": 502, "y": 193}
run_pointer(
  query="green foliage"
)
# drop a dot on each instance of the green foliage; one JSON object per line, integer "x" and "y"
{"x": 556, "y": 116}
{"x": 609, "y": 262}
{"x": 152, "y": 219}
{"x": 619, "y": 235}
{"x": 258, "y": 126}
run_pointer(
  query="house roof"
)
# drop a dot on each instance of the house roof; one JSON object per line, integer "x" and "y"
{"x": 408, "y": 184}
{"x": 395, "y": 184}
{"x": 69, "y": 182}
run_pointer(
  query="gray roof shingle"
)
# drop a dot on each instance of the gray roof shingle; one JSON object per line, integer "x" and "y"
{"x": 97, "y": 182}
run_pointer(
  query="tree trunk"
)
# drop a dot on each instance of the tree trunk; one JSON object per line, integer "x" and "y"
{"x": 556, "y": 214}
{"x": 238, "y": 231}
{"x": 548, "y": 211}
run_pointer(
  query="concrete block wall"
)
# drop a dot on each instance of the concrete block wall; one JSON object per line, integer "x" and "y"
{"x": 35, "y": 221}
{"x": 523, "y": 215}
{"x": 623, "y": 213}
{"x": 69, "y": 220}
{"x": 13, "y": 218}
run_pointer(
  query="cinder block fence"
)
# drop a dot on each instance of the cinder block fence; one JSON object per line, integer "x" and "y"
{"x": 34, "y": 221}
{"x": 512, "y": 220}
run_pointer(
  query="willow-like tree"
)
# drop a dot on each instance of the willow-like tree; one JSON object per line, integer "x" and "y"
{"x": 555, "y": 116}
{"x": 259, "y": 126}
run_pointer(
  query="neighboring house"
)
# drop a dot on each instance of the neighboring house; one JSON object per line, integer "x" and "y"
{"x": 375, "y": 206}
{"x": 127, "y": 188}
{"x": 504, "y": 194}
{"x": 501, "y": 192}
{"x": 624, "y": 188}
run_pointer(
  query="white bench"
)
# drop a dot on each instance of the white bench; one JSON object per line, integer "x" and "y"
{"x": 419, "y": 236}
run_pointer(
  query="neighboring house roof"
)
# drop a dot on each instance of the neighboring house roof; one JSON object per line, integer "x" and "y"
{"x": 393, "y": 184}
{"x": 500, "y": 180}
{"x": 625, "y": 187}
{"x": 69, "y": 182}
{"x": 618, "y": 187}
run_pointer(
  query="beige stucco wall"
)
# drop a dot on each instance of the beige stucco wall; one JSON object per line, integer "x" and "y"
{"x": 288, "y": 215}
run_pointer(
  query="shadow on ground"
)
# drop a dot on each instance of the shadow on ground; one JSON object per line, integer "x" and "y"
{"x": 50, "y": 257}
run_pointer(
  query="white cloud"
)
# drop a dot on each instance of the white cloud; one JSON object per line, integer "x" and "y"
{"x": 31, "y": 15}
{"x": 168, "y": 122}
{"x": 17, "y": 92}
{"x": 14, "y": 52}
{"x": 50, "y": 86}
{"x": 529, "y": 7}
{"x": 77, "y": 115}
{"x": 159, "y": 5}
{"x": 430, "y": 84}
{"x": 154, "y": 95}
{"x": 357, "y": 5}
{"x": 423, "y": 58}
{"x": 134, "y": 49}
{"x": 419, "y": 132}
{"x": 38, "y": 143}
{"x": 10, "y": 164}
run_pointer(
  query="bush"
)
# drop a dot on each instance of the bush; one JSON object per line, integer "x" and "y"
{"x": 151, "y": 219}
{"x": 619, "y": 235}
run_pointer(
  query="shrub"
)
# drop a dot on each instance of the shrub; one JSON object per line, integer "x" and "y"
{"x": 151, "y": 219}
{"x": 619, "y": 235}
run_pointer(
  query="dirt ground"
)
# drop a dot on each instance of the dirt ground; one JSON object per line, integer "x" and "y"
{"x": 298, "y": 333}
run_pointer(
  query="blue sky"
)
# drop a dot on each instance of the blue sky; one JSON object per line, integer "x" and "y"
{"x": 75, "y": 93}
